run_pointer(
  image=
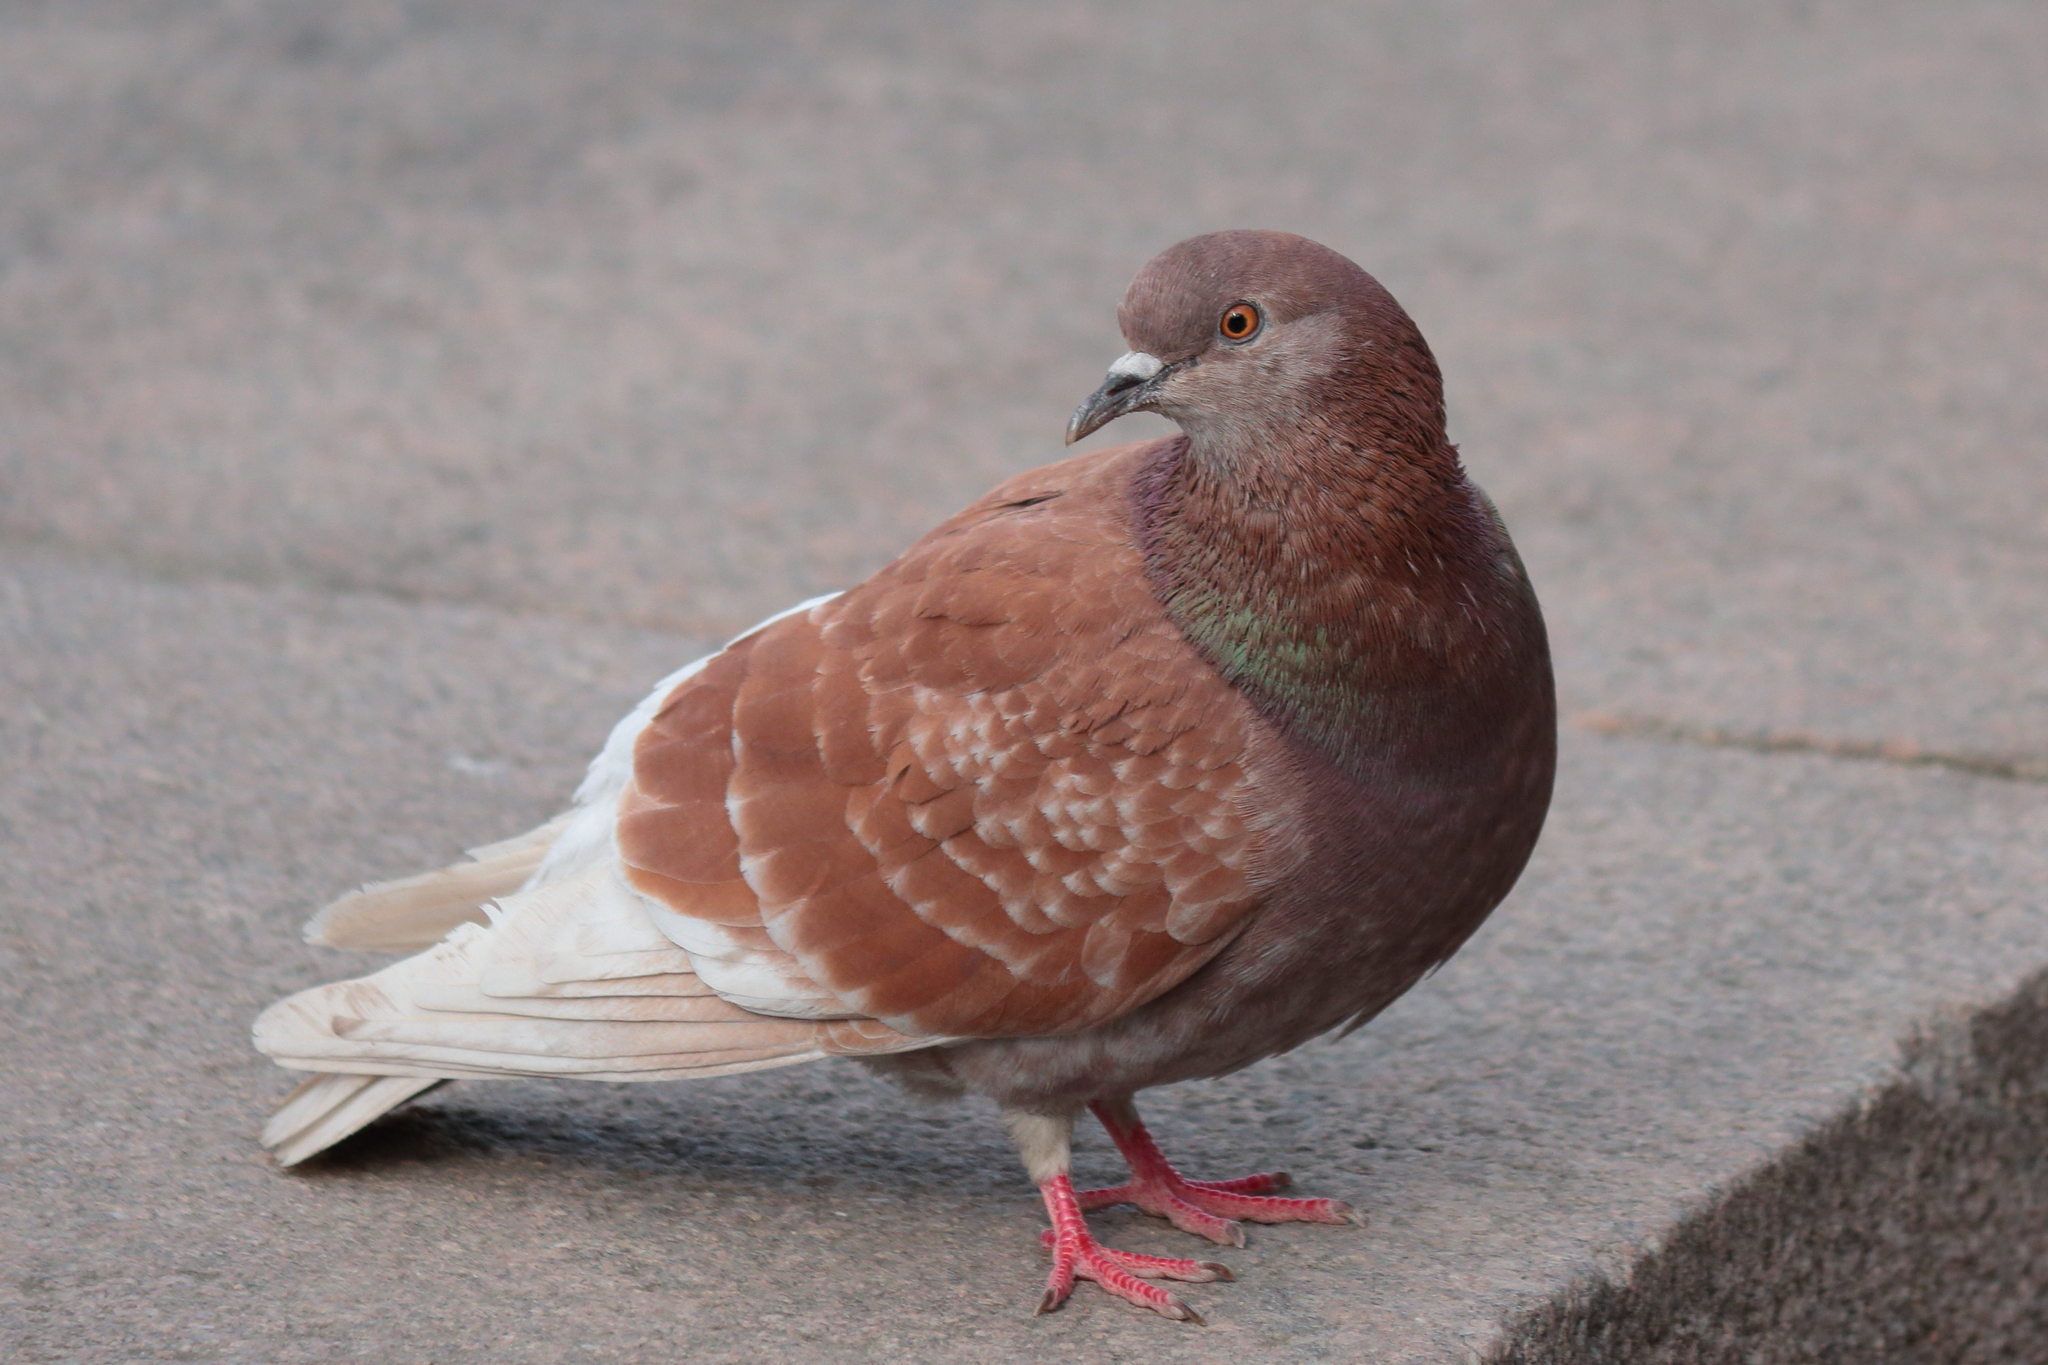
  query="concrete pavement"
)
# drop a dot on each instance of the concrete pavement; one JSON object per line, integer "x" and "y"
{"x": 389, "y": 392}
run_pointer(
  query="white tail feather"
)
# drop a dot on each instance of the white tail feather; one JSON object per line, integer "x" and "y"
{"x": 326, "y": 1109}
{"x": 412, "y": 913}
{"x": 570, "y": 979}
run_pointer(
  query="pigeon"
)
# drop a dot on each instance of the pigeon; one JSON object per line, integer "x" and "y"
{"x": 1153, "y": 763}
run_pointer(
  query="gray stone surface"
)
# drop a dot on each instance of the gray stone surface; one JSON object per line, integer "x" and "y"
{"x": 388, "y": 392}
{"x": 669, "y": 314}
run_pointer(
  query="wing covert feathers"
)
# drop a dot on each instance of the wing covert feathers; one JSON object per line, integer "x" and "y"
{"x": 990, "y": 792}
{"x": 417, "y": 912}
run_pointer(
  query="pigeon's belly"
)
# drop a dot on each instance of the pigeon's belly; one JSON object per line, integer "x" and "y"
{"x": 1383, "y": 896}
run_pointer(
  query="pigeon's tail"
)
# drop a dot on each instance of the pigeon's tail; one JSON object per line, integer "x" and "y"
{"x": 412, "y": 913}
{"x": 327, "y": 1108}
{"x": 567, "y": 980}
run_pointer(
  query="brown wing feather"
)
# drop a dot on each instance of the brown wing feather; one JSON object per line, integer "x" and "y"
{"x": 990, "y": 792}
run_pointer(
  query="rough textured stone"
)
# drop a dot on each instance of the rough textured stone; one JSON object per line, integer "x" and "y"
{"x": 1912, "y": 1229}
{"x": 389, "y": 391}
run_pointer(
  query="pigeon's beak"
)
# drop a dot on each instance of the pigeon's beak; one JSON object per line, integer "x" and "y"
{"x": 1132, "y": 380}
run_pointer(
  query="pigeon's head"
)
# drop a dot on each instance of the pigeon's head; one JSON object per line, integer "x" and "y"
{"x": 1243, "y": 337}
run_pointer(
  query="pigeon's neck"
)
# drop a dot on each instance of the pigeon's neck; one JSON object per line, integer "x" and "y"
{"x": 1361, "y": 601}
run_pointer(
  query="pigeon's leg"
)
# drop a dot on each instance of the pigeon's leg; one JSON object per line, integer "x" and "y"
{"x": 1046, "y": 1142}
{"x": 1207, "y": 1208}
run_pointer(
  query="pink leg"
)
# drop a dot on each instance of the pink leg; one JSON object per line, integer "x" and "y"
{"x": 1077, "y": 1255}
{"x": 1207, "y": 1208}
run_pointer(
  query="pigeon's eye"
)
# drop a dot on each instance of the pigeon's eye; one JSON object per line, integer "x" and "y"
{"x": 1240, "y": 322}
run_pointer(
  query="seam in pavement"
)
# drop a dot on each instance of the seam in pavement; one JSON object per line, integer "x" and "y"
{"x": 1764, "y": 741}
{"x": 199, "y": 572}
{"x": 196, "y": 571}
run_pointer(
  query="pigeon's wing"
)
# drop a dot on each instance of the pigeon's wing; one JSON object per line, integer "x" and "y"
{"x": 991, "y": 792}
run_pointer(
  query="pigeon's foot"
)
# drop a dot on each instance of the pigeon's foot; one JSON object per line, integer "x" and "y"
{"x": 1215, "y": 1208}
{"x": 1076, "y": 1255}
{"x": 1206, "y": 1208}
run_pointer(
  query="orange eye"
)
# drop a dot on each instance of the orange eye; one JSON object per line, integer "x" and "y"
{"x": 1240, "y": 321}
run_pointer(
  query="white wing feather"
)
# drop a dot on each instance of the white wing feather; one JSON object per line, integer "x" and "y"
{"x": 412, "y": 913}
{"x": 490, "y": 1001}
{"x": 569, "y": 980}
